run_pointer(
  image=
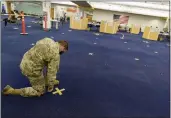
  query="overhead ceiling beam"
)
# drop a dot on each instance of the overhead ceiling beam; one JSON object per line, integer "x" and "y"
{"x": 68, "y": 3}
{"x": 84, "y": 4}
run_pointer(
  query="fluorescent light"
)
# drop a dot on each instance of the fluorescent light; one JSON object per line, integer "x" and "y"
{"x": 64, "y": 3}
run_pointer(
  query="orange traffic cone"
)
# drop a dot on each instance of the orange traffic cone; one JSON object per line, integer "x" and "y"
{"x": 23, "y": 26}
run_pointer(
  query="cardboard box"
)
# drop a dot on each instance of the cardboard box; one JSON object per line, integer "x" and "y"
{"x": 79, "y": 24}
{"x": 150, "y": 35}
{"x": 135, "y": 29}
{"x": 109, "y": 27}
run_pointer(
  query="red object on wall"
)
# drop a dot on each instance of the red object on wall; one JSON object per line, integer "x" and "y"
{"x": 71, "y": 10}
{"x": 123, "y": 19}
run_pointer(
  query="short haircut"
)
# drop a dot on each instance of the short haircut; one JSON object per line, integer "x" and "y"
{"x": 63, "y": 43}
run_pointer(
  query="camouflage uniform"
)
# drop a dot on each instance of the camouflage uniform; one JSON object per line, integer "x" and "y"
{"x": 44, "y": 54}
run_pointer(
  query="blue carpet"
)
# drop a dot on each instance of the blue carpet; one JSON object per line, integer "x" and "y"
{"x": 109, "y": 83}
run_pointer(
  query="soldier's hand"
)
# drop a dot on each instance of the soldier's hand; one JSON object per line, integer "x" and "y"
{"x": 50, "y": 88}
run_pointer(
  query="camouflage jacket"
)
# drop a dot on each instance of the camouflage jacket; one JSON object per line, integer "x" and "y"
{"x": 44, "y": 53}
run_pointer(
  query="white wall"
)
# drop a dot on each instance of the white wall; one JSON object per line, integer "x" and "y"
{"x": 99, "y": 15}
{"x": 29, "y": 7}
{"x": 142, "y": 20}
{"x": 59, "y": 9}
{"x": 147, "y": 21}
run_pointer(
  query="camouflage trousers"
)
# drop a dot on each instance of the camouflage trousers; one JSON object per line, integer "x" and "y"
{"x": 38, "y": 86}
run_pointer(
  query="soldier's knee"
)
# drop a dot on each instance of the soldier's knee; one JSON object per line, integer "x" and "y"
{"x": 29, "y": 92}
{"x": 40, "y": 89}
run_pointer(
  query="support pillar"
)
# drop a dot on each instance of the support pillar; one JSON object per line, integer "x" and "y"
{"x": 166, "y": 23}
{"x": 46, "y": 9}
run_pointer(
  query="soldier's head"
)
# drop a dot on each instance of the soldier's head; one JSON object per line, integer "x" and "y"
{"x": 63, "y": 46}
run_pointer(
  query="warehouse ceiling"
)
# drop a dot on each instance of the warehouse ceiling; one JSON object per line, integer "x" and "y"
{"x": 82, "y": 3}
{"x": 159, "y": 9}
{"x": 153, "y": 5}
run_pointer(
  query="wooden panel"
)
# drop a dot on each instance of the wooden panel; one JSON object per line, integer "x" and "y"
{"x": 52, "y": 13}
{"x": 9, "y": 7}
{"x": 78, "y": 24}
{"x": 132, "y": 29}
{"x": 71, "y": 22}
{"x": 138, "y": 30}
{"x": 89, "y": 17}
{"x": 135, "y": 29}
{"x": 116, "y": 25}
{"x": 109, "y": 28}
{"x": 146, "y": 32}
{"x": 102, "y": 26}
{"x": 153, "y": 36}
{"x": 85, "y": 23}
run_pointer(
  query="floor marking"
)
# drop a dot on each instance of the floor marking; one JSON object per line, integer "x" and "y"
{"x": 58, "y": 91}
{"x": 122, "y": 36}
{"x": 136, "y": 59}
{"x": 28, "y": 26}
{"x": 97, "y": 34}
{"x": 90, "y": 53}
{"x": 15, "y": 28}
{"x": 32, "y": 44}
{"x": 95, "y": 43}
{"x": 145, "y": 41}
{"x": 148, "y": 46}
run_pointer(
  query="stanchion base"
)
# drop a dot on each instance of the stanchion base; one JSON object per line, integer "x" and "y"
{"x": 23, "y": 33}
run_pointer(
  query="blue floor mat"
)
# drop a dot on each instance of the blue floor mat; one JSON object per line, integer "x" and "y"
{"x": 124, "y": 77}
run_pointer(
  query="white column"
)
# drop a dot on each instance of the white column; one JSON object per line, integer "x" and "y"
{"x": 81, "y": 12}
{"x": 12, "y": 6}
{"x": 166, "y": 23}
{"x": 46, "y": 8}
{"x": 56, "y": 12}
{"x": 57, "y": 15}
